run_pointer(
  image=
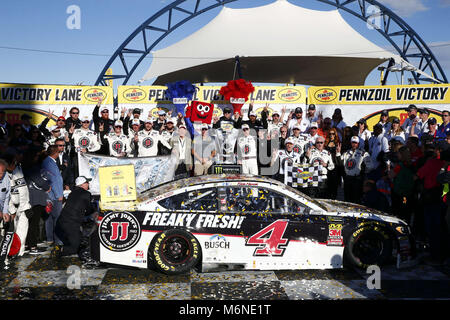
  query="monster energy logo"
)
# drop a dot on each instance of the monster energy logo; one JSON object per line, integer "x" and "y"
{"x": 226, "y": 169}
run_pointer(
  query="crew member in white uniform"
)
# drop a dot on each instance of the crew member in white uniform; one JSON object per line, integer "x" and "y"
{"x": 281, "y": 156}
{"x": 119, "y": 143}
{"x": 247, "y": 151}
{"x": 300, "y": 140}
{"x": 19, "y": 202}
{"x": 148, "y": 140}
{"x": 355, "y": 161}
{"x": 85, "y": 139}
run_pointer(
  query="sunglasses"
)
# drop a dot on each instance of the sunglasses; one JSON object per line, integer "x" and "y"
{"x": 74, "y": 113}
{"x": 319, "y": 143}
{"x": 86, "y": 122}
{"x": 61, "y": 145}
{"x": 105, "y": 111}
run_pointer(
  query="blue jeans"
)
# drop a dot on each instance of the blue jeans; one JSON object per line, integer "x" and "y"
{"x": 50, "y": 223}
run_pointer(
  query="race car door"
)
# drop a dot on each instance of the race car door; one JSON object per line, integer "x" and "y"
{"x": 280, "y": 232}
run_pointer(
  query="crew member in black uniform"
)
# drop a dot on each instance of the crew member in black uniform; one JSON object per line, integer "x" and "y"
{"x": 77, "y": 207}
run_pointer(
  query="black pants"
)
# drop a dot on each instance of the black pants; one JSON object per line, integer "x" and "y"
{"x": 33, "y": 235}
{"x": 353, "y": 189}
{"x": 70, "y": 235}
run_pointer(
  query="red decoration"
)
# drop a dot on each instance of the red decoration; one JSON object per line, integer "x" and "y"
{"x": 200, "y": 112}
{"x": 15, "y": 246}
{"x": 237, "y": 92}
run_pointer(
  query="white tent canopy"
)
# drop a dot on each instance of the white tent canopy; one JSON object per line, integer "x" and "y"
{"x": 276, "y": 43}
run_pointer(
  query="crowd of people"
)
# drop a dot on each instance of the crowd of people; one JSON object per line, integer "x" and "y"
{"x": 399, "y": 168}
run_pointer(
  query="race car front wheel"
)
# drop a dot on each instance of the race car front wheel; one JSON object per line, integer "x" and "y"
{"x": 369, "y": 246}
{"x": 174, "y": 251}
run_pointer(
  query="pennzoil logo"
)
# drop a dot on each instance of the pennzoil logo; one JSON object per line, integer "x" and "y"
{"x": 134, "y": 94}
{"x": 94, "y": 94}
{"x": 289, "y": 95}
{"x": 325, "y": 95}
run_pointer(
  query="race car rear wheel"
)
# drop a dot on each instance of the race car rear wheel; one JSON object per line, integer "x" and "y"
{"x": 174, "y": 251}
{"x": 370, "y": 245}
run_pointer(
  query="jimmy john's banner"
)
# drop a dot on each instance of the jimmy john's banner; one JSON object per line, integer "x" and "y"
{"x": 368, "y": 101}
{"x": 36, "y": 100}
{"x": 151, "y": 99}
{"x": 148, "y": 172}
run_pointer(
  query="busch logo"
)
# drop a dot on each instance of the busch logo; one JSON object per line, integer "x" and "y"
{"x": 217, "y": 241}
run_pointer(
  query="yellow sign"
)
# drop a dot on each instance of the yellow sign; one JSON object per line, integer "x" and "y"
{"x": 117, "y": 183}
{"x": 410, "y": 94}
{"x": 262, "y": 94}
{"x": 36, "y": 94}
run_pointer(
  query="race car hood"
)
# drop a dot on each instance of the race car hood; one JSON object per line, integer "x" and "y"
{"x": 357, "y": 210}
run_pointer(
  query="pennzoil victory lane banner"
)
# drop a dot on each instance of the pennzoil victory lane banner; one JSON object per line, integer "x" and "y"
{"x": 36, "y": 100}
{"x": 368, "y": 101}
{"x": 153, "y": 98}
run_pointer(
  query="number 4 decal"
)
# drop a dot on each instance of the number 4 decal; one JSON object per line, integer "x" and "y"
{"x": 270, "y": 239}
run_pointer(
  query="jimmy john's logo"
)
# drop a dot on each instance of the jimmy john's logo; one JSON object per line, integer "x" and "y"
{"x": 289, "y": 95}
{"x": 134, "y": 94}
{"x": 325, "y": 95}
{"x": 94, "y": 95}
{"x": 119, "y": 231}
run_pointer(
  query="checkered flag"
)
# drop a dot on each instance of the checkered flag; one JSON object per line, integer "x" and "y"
{"x": 304, "y": 175}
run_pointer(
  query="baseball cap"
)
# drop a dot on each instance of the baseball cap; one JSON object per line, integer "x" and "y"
{"x": 182, "y": 126}
{"x": 135, "y": 122}
{"x": 80, "y": 180}
{"x": 289, "y": 140}
{"x": 149, "y": 120}
{"x": 252, "y": 113}
{"x": 85, "y": 118}
{"x": 161, "y": 112}
{"x": 136, "y": 110}
{"x": 104, "y": 108}
{"x": 204, "y": 126}
{"x": 312, "y": 107}
{"x": 385, "y": 113}
{"x": 170, "y": 120}
{"x": 355, "y": 139}
{"x": 245, "y": 126}
{"x": 396, "y": 120}
{"x": 54, "y": 128}
{"x": 432, "y": 121}
{"x": 297, "y": 126}
{"x": 362, "y": 120}
{"x": 411, "y": 107}
{"x": 314, "y": 125}
{"x": 298, "y": 110}
{"x": 424, "y": 110}
{"x": 118, "y": 123}
{"x": 226, "y": 109}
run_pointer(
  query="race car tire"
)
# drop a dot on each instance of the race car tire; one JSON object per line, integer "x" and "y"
{"x": 174, "y": 251}
{"x": 369, "y": 245}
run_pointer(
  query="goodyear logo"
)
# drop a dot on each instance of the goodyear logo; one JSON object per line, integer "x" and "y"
{"x": 134, "y": 94}
{"x": 325, "y": 95}
{"x": 289, "y": 95}
{"x": 93, "y": 95}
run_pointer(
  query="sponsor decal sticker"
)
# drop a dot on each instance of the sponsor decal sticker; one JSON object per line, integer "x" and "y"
{"x": 119, "y": 231}
{"x": 326, "y": 95}
{"x": 134, "y": 94}
{"x": 289, "y": 95}
{"x": 335, "y": 237}
{"x": 217, "y": 241}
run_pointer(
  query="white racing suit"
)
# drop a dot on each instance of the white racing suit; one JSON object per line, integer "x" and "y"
{"x": 18, "y": 204}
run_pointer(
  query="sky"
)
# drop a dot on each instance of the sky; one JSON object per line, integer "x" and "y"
{"x": 39, "y": 47}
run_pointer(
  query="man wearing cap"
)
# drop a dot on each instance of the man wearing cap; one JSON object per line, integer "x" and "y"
{"x": 149, "y": 141}
{"x": 227, "y": 129}
{"x": 311, "y": 114}
{"x": 60, "y": 126}
{"x": 424, "y": 115}
{"x": 301, "y": 140}
{"x": 132, "y": 122}
{"x": 181, "y": 147}
{"x": 432, "y": 133}
{"x": 410, "y": 124}
{"x": 161, "y": 121}
{"x": 377, "y": 143}
{"x": 282, "y": 156}
{"x": 312, "y": 134}
{"x": 167, "y": 134}
{"x": 132, "y": 136}
{"x": 355, "y": 162}
{"x": 247, "y": 151}
{"x": 277, "y": 121}
{"x": 77, "y": 207}
{"x": 84, "y": 139}
{"x": 296, "y": 119}
{"x": 103, "y": 119}
{"x": 444, "y": 127}
{"x": 384, "y": 121}
{"x": 118, "y": 142}
{"x": 73, "y": 119}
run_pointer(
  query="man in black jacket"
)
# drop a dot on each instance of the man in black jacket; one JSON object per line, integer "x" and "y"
{"x": 78, "y": 206}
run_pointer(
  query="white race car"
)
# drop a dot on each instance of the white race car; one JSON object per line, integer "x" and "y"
{"x": 245, "y": 222}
